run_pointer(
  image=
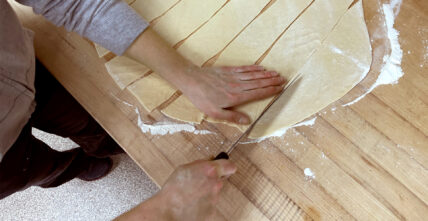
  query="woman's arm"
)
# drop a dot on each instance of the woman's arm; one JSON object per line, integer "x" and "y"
{"x": 212, "y": 90}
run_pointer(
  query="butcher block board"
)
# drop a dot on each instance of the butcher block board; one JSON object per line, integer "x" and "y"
{"x": 369, "y": 160}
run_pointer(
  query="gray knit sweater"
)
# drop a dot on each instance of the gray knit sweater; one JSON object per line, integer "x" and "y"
{"x": 110, "y": 23}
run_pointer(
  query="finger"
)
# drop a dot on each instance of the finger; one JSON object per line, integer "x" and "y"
{"x": 216, "y": 191}
{"x": 229, "y": 115}
{"x": 262, "y": 83}
{"x": 260, "y": 93}
{"x": 224, "y": 167}
{"x": 255, "y": 75}
{"x": 242, "y": 69}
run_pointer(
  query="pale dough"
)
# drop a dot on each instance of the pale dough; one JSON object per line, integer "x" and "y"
{"x": 151, "y": 9}
{"x": 253, "y": 41}
{"x": 174, "y": 26}
{"x": 250, "y": 45}
{"x": 213, "y": 37}
{"x": 100, "y": 50}
{"x": 124, "y": 70}
{"x": 334, "y": 69}
{"x": 220, "y": 30}
{"x": 183, "y": 110}
{"x": 328, "y": 44}
{"x": 150, "y": 87}
{"x": 185, "y": 18}
{"x": 297, "y": 44}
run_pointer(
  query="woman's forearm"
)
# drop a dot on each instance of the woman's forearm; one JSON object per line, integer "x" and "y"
{"x": 151, "y": 50}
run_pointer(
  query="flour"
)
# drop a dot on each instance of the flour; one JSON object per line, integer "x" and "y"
{"x": 281, "y": 132}
{"x": 309, "y": 173}
{"x": 391, "y": 71}
{"x": 363, "y": 67}
{"x": 163, "y": 128}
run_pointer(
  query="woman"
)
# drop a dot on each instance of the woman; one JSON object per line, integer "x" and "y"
{"x": 30, "y": 97}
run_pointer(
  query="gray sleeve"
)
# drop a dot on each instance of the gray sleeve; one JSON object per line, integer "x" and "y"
{"x": 110, "y": 23}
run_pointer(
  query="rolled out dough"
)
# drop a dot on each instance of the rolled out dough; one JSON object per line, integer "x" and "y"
{"x": 178, "y": 23}
{"x": 295, "y": 46}
{"x": 100, "y": 50}
{"x": 220, "y": 30}
{"x": 124, "y": 70}
{"x": 334, "y": 69}
{"x": 150, "y": 87}
{"x": 183, "y": 110}
{"x": 151, "y": 9}
{"x": 185, "y": 18}
{"x": 328, "y": 44}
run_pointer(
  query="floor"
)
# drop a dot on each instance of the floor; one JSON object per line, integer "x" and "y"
{"x": 126, "y": 186}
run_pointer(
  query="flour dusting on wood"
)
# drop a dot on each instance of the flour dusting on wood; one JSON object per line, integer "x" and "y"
{"x": 309, "y": 174}
{"x": 281, "y": 132}
{"x": 163, "y": 128}
{"x": 391, "y": 71}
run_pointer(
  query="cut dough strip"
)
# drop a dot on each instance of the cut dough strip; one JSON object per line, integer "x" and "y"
{"x": 220, "y": 30}
{"x": 151, "y": 9}
{"x": 100, "y": 50}
{"x": 185, "y": 18}
{"x": 296, "y": 45}
{"x": 252, "y": 42}
{"x": 334, "y": 69}
{"x": 152, "y": 91}
{"x": 213, "y": 37}
{"x": 183, "y": 110}
{"x": 124, "y": 70}
{"x": 174, "y": 26}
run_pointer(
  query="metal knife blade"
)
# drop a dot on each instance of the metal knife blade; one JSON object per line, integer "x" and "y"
{"x": 231, "y": 148}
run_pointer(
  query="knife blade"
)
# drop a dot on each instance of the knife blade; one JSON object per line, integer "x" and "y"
{"x": 225, "y": 155}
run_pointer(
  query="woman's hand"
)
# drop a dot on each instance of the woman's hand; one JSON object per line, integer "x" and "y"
{"x": 215, "y": 89}
{"x": 189, "y": 194}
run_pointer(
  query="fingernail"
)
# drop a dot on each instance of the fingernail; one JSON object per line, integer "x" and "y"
{"x": 260, "y": 67}
{"x": 243, "y": 120}
{"x": 274, "y": 73}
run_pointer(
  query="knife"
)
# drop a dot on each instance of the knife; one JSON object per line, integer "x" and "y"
{"x": 225, "y": 155}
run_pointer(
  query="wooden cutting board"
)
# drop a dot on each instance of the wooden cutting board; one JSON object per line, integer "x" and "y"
{"x": 369, "y": 159}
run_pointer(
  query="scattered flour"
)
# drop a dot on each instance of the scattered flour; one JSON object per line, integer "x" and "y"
{"x": 163, "y": 128}
{"x": 391, "y": 71}
{"x": 281, "y": 132}
{"x": 363, "y": 67}
{"x": 309, "y": 174}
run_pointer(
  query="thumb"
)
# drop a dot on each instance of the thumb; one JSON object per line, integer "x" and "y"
{"x": 224, "y": 167}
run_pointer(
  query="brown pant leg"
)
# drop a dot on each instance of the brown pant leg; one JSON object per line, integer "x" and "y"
{"x": 59, "y": 113}
{"x": 31, "y": 162}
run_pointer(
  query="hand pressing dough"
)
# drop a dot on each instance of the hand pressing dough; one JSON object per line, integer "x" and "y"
{"x": 151, "y": 91}
{"x": 296, "y": 45}
{"x": 328, "y": 44}
{"x": 250, "y": 45}
{"x": 174, "y": 26}
{"x": 151, "y": 9}
{"x": 124, "y": 70}
{"x": 216, "y": 34}
{"x": 183, "y": 110}
{"x": 334, "y": 69}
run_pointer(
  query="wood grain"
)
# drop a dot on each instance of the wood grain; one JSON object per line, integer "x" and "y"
{"x": 370, "y": 159}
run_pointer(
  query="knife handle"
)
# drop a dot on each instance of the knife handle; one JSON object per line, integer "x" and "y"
{"x": 222, "y": 155}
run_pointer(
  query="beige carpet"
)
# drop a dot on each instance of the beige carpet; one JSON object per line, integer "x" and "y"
{"x": 126, "y": 186}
